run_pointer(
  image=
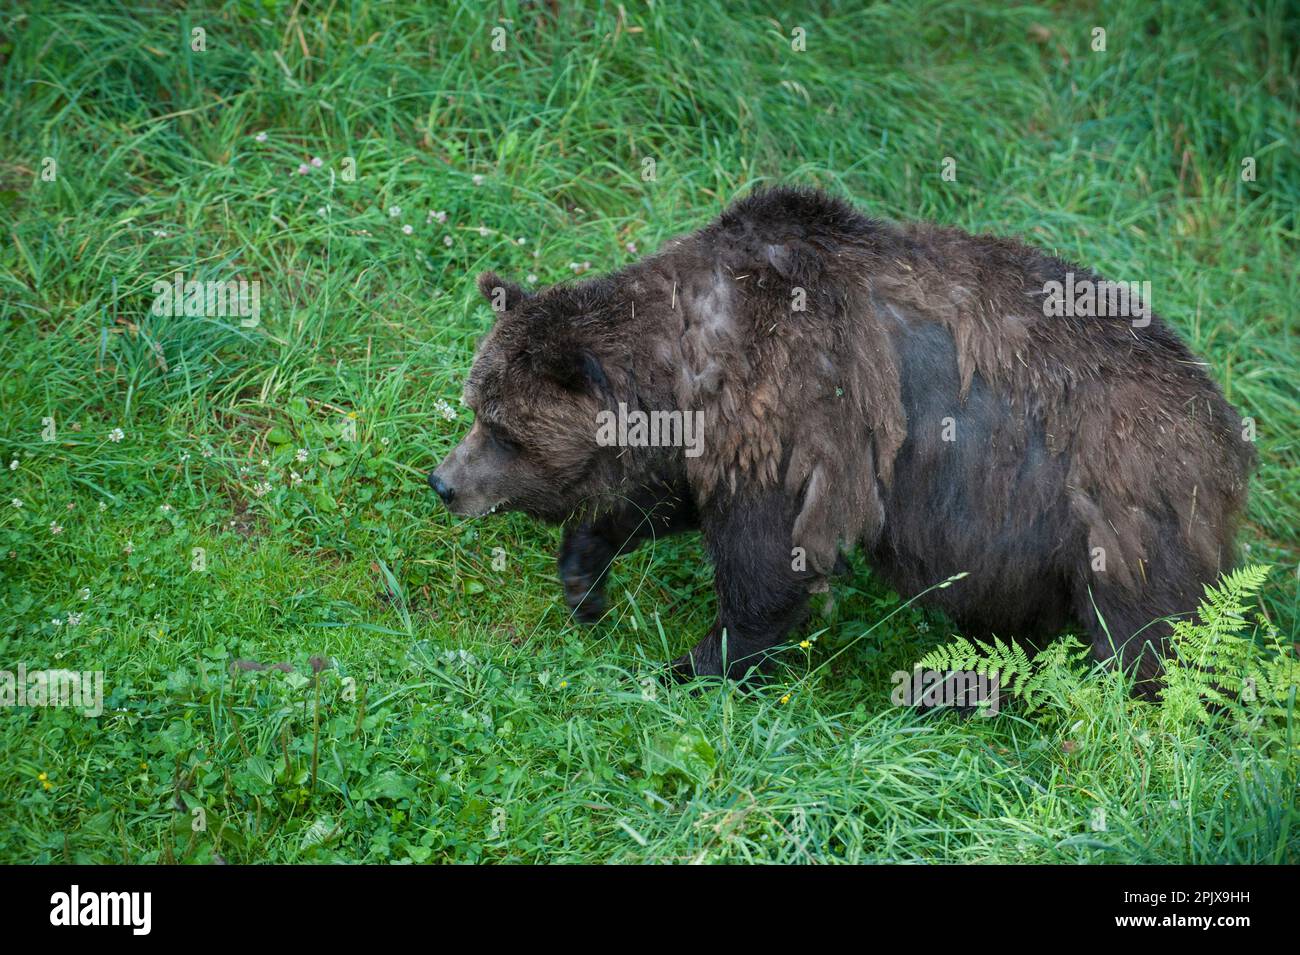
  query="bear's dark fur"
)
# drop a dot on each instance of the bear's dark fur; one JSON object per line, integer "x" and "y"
{"x": 921, "y": 405}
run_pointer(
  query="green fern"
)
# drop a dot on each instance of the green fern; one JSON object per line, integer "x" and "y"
{"x": 1031, "y": 681}
{"x": 1058, "y": 669}
{"x": 1228, "y": 659}
{"x": 1231, "y": 661}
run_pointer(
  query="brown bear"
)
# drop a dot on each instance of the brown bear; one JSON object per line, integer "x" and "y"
{"x": 797, "y": 379}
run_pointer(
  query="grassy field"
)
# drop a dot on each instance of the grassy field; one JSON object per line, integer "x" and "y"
{"x": 204, "y": 493}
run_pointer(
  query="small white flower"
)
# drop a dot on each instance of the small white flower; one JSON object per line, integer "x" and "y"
{"x": 103, "y": 505}
{"x": 13, "y": 465}
{"x": 84, "y": 593}
{"x": 261, "y": 488}
{"x": 477, "y": 179}
{"x": 440, "y": 216}
{"x": 159, "y": 234}
{"x": 260, "y": 137}
{"x": 74, "y": 619}
{"x": 55, "y": 528}
{"x": 295, "y": 478}
{"x": 317, "y": 161}
{"x": 301, "y": 456}
{"x": 16, "y": 502}
{"x": 532, "y": 279}
{"x": 408, "y": 229}
{"x": 185, "y": 456}
{"x": 129, "y": 548}
{"x": 446, "y": 240}
{"x": 444, "y": 409}
{"x": 265, "y": 463}
{"x": 116, "y": 435}
{"x": 631, "y": 247}
{"x": 243, "y": 470}
{"x": 165, "y": 508}
{"x": 323, "y": 211}
{"x": 303, "y": 169}
{"x": 483, "y": 231}
{"x": 207, "y": 452}
{"x": 394, "y": 211}
{"x": 384, "y": 442}
{"x": 57, "y": 621}
{"x": 521, "y": 240}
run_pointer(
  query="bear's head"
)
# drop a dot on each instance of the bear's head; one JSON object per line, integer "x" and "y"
{"x": 536, "y": 387}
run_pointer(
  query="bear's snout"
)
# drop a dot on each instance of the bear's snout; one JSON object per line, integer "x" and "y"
{"x": 447, "y": 493}
{"x": 470, "y": 484}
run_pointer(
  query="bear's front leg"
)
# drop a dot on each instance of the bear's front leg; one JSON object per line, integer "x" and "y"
{"x": 588, "y": 548}
{"x": 585, "y": 555}
{"x": 761, "y": 597}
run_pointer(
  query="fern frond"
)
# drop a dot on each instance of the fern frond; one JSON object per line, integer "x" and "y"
{"x": 1007, "y": 661}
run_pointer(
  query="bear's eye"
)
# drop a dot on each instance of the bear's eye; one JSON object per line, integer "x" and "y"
{"x": 502, "y": 440}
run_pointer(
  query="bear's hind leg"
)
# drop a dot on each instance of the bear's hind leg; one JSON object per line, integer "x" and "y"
{"x": 1128, "y": 628}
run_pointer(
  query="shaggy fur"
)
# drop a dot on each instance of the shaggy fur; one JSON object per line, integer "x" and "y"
{"x": 920, "y": 407}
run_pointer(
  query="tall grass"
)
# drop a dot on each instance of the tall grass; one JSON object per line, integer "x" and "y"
{"x": 462, "y": 716}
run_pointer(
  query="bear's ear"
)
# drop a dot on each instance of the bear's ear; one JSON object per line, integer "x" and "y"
{"x": 570, "y": 366}
{"x": 501, "y": 294}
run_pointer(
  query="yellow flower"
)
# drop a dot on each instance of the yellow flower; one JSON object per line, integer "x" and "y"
{"x": 806, "y": 644}
{"x": 563, "y": 684}
{"x": 42, "y": 777}
{"x": 786, "y": 698}
{"x": 48, "y": 786}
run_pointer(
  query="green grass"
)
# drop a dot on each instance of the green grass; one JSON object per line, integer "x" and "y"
{"x": 462, "y": 716}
